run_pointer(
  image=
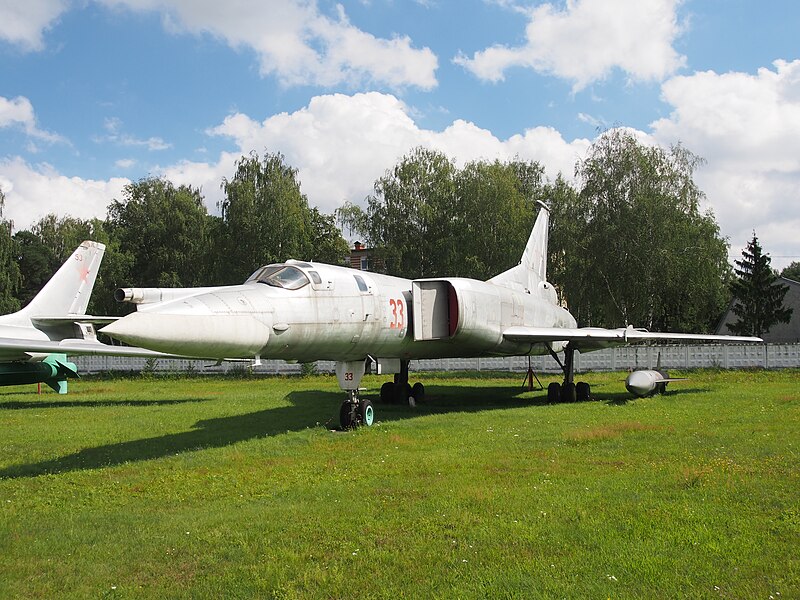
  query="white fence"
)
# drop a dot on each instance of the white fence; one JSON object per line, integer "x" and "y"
{"x": 770, "y": 356}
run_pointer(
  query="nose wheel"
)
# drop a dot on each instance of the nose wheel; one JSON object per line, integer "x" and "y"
{"x": 355, "y": 412}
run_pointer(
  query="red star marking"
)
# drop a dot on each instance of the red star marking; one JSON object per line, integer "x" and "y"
{"x": 83, "y": 271}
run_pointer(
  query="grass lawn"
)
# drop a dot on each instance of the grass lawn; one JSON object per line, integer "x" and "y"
{"x": 237, "y": 488}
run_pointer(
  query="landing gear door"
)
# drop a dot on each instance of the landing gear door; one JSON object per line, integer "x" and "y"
{"x": 435, "y": 309}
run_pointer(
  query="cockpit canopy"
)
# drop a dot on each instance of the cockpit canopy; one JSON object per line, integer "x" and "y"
{"x": 283, "y": 276}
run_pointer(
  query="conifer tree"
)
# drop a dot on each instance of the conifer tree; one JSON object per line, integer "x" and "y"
{"x": 758, "y": 302}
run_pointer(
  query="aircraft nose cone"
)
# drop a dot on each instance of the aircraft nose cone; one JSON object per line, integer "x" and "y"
{"x": 640, "y": 383}
{"x": 203, "y": 336}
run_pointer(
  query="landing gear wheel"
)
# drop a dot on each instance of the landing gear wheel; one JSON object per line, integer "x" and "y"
{"x": 568, "y": 392}
{"x": 366, "y": 414}
{"x": 387, "y": 392}
{"x": 583, "y": 391}
{"x": 418, "y": 391}
{"x": 554, "y": 393}
{"x": 347, "y": 415}
{"x": 401, "y": 393}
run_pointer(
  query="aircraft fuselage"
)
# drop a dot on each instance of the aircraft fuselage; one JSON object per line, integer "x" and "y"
{"x": 343, "y": 314}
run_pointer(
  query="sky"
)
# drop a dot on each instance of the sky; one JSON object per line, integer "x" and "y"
{"x": 95, "y": 94}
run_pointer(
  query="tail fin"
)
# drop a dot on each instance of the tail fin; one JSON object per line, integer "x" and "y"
{"x": 532, "y": 268}
{"x": 68, "y": 291}
{"x": 535, "y": 256}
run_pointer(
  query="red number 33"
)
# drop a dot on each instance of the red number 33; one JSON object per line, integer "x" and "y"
{"x": 398, "y": 317}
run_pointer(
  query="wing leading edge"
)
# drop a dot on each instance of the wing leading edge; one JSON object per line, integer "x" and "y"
{"x": 595, "y": 338}
{"x": 21, "y": 349}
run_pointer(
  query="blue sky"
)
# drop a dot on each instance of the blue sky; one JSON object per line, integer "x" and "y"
{"x": 96, "y": 93}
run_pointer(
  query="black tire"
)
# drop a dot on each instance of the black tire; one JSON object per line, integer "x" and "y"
{"x": 418, "y": 391}
{"x": 582, "y": 391}
{"x": 387, "y": 392}
{"x": 346, "y": 415}
{"x": 366, "y": 414}
{"x": 554, "y": 393}
{"x": 568, "y": 392}
{"x": 401, "y": 393}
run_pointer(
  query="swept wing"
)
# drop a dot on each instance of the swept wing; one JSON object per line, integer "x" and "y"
{"x": 595, "y": 338}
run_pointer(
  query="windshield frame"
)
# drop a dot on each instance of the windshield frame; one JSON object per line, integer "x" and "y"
{"x": 287, "y": 277}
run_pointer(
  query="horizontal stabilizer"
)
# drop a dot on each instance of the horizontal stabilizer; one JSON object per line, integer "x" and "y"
{"x": 16, "y": 349}
{"x": 40, "y": 321}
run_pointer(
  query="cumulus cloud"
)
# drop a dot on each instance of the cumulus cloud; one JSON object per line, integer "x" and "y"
{"x": 299, "y": 44}
{"x": 124, "y": 163}
{"x": 115, "y": 135}
{"x": 341, "y": 144}
{"x": 747, "y": 126}
{"x": 586, "y": 40}
{"x": 293, "y": 39}
{"x": 23, "y": 23}
{"x": 18, "y": 112}
{"x": 33, "y": 191}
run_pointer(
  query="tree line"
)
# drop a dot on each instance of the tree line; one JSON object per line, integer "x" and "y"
{"x": 629, "y": 243}
{"x": 158, "y": 234}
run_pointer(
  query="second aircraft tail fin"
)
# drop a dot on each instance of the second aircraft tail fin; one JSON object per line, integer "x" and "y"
{"x": 68, "y": 291}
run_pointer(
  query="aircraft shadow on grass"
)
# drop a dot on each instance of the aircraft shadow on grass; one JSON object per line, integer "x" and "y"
{"x": 23, "y": 405}
{"x": 303, "y": 413}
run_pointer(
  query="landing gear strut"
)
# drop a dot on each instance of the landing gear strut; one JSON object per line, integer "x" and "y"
{"x": 569, "y": 391}
{"x": 354, "y": 411}
{"x": 399, "y": 391}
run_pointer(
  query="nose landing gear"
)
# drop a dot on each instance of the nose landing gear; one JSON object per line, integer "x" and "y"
{"x": 356, "y": 411}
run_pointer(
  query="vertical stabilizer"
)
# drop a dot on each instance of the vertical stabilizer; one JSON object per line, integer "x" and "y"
{"x": 535, "y": 256}
{"x": 68, "y": 291}
{"x": 532, "y": 268}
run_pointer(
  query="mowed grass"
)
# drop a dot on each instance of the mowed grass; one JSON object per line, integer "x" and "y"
{"x": 237, "y": 488}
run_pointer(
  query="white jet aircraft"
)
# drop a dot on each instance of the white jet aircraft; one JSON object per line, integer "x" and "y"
{"x": 34, "y": 341}
{"x": 300, "y": 311}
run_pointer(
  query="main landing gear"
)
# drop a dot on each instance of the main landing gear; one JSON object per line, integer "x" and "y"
{"x": 569, "y": 391}
{"x": 399, "y": 391}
